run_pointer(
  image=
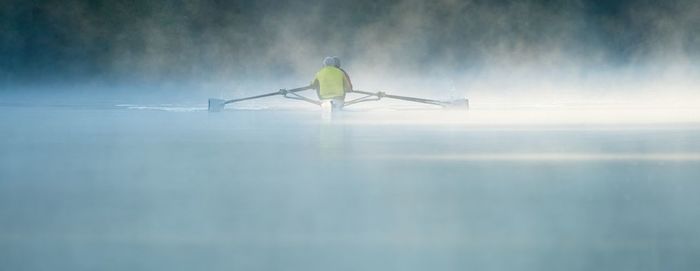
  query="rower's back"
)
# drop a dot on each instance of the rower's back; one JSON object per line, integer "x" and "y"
{"x": 331, "y": 82}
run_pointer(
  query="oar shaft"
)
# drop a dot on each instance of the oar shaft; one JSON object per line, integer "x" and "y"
{"x": 267, "y": 95}
{"x": 405, "y": 98}
{"x": 413, "y": 99}
{"x": 252, "y": 97}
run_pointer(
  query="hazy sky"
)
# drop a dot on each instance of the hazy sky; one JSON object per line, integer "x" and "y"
{"x": 45, "y": 40}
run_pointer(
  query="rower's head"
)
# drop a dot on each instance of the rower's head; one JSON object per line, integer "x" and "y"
{"x": 331, "y": 61}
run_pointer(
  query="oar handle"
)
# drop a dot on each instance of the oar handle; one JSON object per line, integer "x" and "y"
{"x": 279, "y": 92}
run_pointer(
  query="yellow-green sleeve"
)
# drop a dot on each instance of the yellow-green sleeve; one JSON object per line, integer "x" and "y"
{"x": 314, "y": 82}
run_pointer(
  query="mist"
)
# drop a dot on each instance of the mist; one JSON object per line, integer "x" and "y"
{"x": 484, "y": 49}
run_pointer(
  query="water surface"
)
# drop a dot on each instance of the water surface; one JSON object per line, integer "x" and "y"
{"x": 142, "y": 188}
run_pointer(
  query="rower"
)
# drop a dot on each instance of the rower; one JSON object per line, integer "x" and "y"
{"x": 331, "y": 83}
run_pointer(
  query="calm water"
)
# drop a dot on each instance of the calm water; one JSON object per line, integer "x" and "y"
{"x": 123, "y": 189}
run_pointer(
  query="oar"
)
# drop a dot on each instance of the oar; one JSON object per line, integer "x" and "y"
{"x": 216, "y": 105}
{"x": 458, "y": 103}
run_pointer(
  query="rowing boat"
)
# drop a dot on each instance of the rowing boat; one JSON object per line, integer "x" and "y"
{"x": 217, "y": 105}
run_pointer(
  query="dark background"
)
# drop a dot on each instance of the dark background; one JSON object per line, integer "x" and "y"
{"x": 73, "y": 40}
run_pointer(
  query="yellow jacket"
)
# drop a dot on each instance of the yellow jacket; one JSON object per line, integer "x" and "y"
{"x": 331, "y": 82}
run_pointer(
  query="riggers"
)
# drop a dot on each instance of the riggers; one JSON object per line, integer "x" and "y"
{"x": 339, "y": 102}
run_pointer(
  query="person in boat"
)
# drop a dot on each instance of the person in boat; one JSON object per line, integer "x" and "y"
{"x": 331, "y": 82}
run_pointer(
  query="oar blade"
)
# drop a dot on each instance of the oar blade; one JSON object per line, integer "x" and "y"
{"x": 216, "y": 105}
{"x": 458, "y": 104}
